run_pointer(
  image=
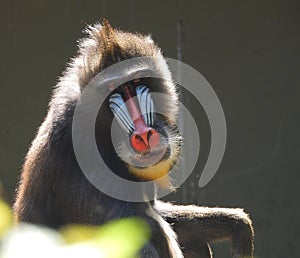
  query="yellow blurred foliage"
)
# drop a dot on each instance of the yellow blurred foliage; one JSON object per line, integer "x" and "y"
{"x": 73, "y": 234}
{"x": 121, "y": 238}
{"x": 5, "y": 218}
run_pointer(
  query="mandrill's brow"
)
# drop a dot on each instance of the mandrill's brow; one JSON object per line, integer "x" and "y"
{"x": 112, "y": 78}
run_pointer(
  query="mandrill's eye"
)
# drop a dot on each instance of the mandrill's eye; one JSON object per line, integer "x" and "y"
{"x": 131, "y": 107}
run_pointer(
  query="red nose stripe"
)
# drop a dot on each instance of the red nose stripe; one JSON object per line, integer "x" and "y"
{"x": 134, "y": 111}
{"x": 143, "y": 138}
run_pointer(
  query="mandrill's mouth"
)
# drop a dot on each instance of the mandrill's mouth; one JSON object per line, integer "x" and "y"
{"x": 141, "y": 160}
{"x": 152, "y": 158}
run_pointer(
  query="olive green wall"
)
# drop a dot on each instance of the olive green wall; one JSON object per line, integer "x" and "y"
{"x": 247, "y": 50}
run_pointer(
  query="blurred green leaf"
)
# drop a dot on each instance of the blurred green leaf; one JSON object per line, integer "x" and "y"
{"x": 5, "y": 218}
{"x": 129, "y": 235}
{"x": 73, "y": 234}
{"x": 118, "y": 239}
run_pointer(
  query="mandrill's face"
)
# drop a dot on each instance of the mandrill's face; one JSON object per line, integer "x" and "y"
{"x": 150, "y": 143}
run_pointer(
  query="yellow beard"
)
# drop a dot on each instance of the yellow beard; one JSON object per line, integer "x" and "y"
{"x": 158, "y": 172}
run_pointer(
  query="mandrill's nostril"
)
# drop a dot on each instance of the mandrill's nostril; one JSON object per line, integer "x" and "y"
{"x": 139, "y": 138}
{"x": 144, "y": 140}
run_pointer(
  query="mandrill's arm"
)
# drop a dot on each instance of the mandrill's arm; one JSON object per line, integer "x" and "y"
{"x": 197, "y": 226}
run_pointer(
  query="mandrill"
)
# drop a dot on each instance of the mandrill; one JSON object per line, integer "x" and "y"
{"x": 55, "y": 191}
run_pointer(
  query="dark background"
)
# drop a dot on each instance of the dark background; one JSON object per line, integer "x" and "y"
{"x": 247, "y": 50}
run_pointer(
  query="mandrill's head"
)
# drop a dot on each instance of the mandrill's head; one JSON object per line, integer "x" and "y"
{"x": 135, "y": 127}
